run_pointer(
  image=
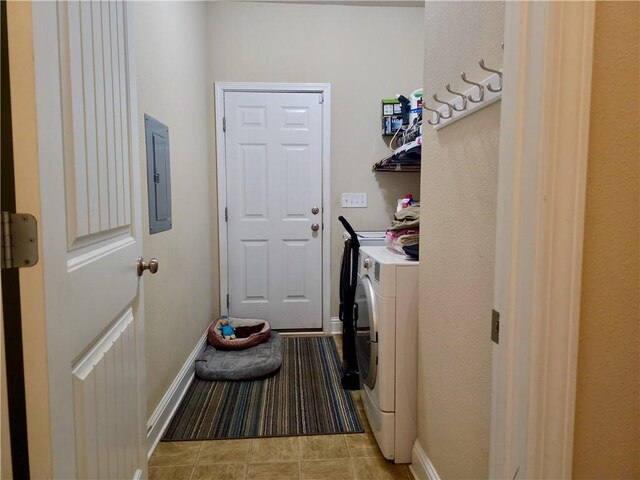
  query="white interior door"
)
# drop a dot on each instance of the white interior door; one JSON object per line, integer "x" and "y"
{"x": 274, "y": 202}
{"x": 91, "y": 225}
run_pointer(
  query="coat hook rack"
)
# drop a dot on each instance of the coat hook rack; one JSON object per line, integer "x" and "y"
{"x": 480, "y": 94}
{"x": 438, "y": 117}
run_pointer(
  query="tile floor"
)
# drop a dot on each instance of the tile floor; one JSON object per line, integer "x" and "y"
{"x": 334, "y": 457}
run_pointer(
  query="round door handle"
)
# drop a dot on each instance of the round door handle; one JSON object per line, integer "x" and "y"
{"x": 315, "y": 210}
{"x": 315, "y": 227}
{"x": 152, "y": 266}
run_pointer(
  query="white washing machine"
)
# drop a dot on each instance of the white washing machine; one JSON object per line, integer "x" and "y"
{"x": 386, "y": 345}
{"x": 369, "y": 238}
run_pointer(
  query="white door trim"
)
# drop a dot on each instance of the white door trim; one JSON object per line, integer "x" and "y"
{"x": 325, "y": 90}
{"x": 541, "y": 196}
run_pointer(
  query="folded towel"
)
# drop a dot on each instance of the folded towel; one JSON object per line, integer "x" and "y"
{"x": 406, "y": 240}
{"x": 409, "y": 213}
{"x": 391, "y": 235}
{"x": 404, "y": 224}
{"x": 406, "y": 218}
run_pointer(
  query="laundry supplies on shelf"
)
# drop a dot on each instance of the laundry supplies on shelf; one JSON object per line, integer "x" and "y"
{"x": 402, "y": 121}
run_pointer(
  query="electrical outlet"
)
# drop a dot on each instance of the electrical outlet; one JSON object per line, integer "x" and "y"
{"x": 354, "y": 200}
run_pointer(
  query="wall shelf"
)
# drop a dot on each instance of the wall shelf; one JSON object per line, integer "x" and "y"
{"x": 389, "y": 165}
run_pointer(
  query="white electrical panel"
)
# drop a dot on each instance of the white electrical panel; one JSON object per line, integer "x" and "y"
{"x": 354, "y": 200}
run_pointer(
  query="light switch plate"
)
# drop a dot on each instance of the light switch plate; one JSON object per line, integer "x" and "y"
{"x": 354, "y": 200}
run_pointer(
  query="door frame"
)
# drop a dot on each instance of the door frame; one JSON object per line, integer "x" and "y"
{"x": 221, "y": 163}
{"x": 544, "y": 137}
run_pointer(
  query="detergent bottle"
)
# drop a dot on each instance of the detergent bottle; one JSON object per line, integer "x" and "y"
{"x": 415, "y": 103}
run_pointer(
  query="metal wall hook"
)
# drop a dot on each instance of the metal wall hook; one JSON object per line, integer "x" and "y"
{"x": 489, "y": 87}
{"x": 451, "y": 107}
{"x": 463, "y": 75}
{"x": 464, "y": 98}
{"x": 436, "y": 112}
{"x": 442, "y": 115}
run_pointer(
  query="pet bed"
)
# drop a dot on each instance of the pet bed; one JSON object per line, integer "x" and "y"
{"x": 252, "y": 363}
{"x": 217, "y": 340}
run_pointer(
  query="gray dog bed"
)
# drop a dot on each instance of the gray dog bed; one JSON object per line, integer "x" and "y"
{"x": 254, "y": 362}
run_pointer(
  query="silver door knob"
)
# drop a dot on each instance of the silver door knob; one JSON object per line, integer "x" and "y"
{"x": 315, "y": 227}
{"x": 315, "y": 210}
{"x": 152, "y": 266}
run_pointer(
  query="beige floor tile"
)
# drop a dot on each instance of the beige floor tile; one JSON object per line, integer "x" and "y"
{"x": 170, "y": 473}
{"x": 365, "y": 423}
{"x": 273, "y": 471}
{"x": 276, "y": 449}
{"x": 175, "y": 453}
{"x": 363, "y": 416}
{"x": 362, "y": 445}
{"x": 374, "y": 468}
{"x": 338, "y": 340}
{"x": 220, "y": 471}
{"x": 322, "y": 447}
{"x": 336, "y": 469}
{"x": 224, "y": 451}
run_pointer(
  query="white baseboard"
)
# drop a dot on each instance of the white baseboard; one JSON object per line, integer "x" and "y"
{"x": 421, "y": 467}
{"x": 159, "y": 420}
{"x": 335, "y": 326}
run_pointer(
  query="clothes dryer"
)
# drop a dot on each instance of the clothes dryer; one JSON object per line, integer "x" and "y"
{"x": 386, "y": 346}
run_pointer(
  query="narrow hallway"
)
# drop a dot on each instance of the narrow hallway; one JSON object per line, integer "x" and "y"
{"x": 336, "y": 457}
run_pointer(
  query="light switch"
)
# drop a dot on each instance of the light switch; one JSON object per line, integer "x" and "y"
{"x": 354, "y": 200}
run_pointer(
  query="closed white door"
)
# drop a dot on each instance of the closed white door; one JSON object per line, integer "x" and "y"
{"x": 274, "y": 204}
{"x": 89, "y": 184}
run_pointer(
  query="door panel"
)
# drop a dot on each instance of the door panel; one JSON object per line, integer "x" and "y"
{"x": 105, "y": 386}
{"x": 274, "y": 179}
{"x": 91, "y": 219}
{"x": 94, "y": 112}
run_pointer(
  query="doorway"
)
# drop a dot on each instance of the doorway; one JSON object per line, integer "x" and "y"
{"x": 273, "y": 171}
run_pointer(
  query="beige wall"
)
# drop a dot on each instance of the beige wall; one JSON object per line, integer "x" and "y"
{"x": 607, "y": 429}
{"x": 459, "y": 187}
{"x": 365, "y": 56}
{"x": 182, "y": 298}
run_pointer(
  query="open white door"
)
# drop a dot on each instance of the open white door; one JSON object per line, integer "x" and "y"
{"x": 273, "y": 145}
{"x": 87, "y": 181}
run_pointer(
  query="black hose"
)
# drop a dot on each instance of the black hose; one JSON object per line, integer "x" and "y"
{"x": 354, "y": 238}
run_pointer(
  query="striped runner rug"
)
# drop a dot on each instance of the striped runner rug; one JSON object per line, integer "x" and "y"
{"x": 305, "y": 397}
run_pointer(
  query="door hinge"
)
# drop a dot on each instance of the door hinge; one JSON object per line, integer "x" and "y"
{"x": 226, "y": 214}
{"x": 495, "y": 326}
{"x": 322, "y": 98}
{"x": 227, "y": 302}
{"x": 224, "y": 124}
{"x": 19, "y": 240}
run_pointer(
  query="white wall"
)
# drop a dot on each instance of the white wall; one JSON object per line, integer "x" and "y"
{"x": 366, "y": 53}
{"x": 458, "y": 217}
{"x": 182, "y": 298}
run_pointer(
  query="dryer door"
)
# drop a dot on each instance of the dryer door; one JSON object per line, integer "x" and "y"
{"x": 366, "y": 315}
